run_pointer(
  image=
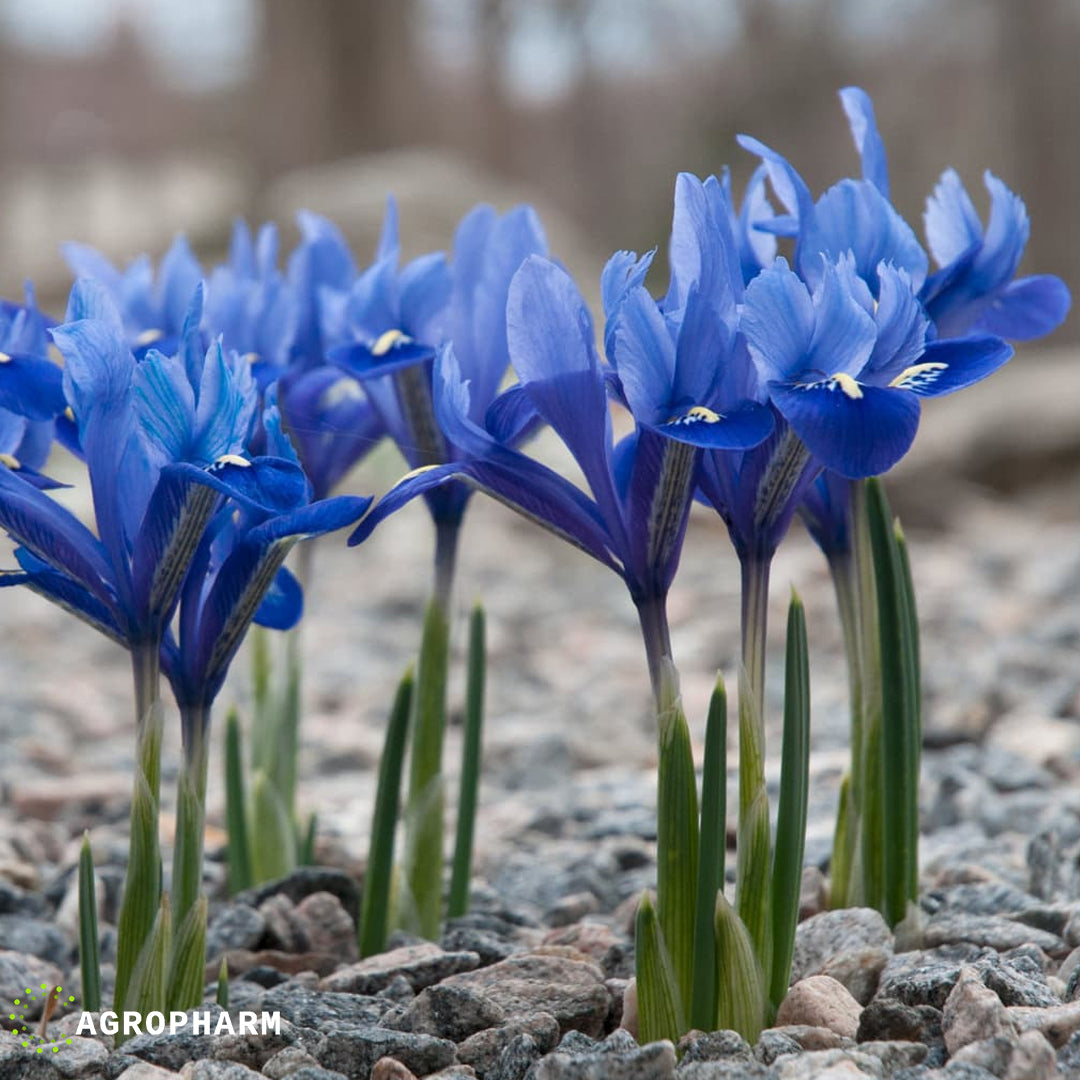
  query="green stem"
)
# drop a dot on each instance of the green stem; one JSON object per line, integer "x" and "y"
{"x": 754, "y": 847}
{"x": 190, "y": 812}
{"x": 446, "y": 545}
{"x": 652, "y": 614}
{"x": 867, "y": 788}
{"x": 142, "y": 879}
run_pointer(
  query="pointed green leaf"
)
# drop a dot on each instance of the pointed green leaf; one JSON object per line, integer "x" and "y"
{"x": 424, "y": 815}
{"x": 676, "y": 834}
{"x": 147, "y": 990}
{"x": 711, "y": 859}
{"x": 378, "y": 880}
{"x": 236, "y": 825}
{"x": 305, "y": 854}
{"x": 187, "y": 959}
{"x": 913, "y": 726}
{"x": 841, "y": 863}
{"x": 660, "y": 1011}
{"x": 89, "y": 956}
{"x": 900, "y": 716}
{"x": 741, "y": 1003}
{"x": 273, "y": 852}
{"x": 471, "y": 753}
{"x": 794, "y": 792}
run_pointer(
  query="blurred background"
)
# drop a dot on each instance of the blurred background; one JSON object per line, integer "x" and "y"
{"x": 123, "y": 121}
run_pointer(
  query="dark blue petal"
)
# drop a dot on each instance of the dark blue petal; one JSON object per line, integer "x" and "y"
{"x": 860, "y": 114}
{"x": 741, "y": 428}
{"x": 826, "y": 512}
{"x": 31, "y": 387}
{"x": 63, "y": 591}
{"x": 1027, "y": 308}
{"x": 53, "y": 535}
{"x": 315, "y": 519}
{"x": 385, "y": 357}
{"x": 283, "y": 604}
{"x": 418, "y": 482}
{"x": 857, "y": 431}
{"x": 951, "y": 365}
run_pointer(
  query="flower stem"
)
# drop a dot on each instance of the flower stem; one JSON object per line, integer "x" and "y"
{"x": 652, "y": 614}
{"x": 446, "y": 545}
{"x": 755, "y": 843}
{"x": 190, "y": 812}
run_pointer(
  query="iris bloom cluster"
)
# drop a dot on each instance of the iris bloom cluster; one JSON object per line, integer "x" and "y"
{"x": 217, "y": 412}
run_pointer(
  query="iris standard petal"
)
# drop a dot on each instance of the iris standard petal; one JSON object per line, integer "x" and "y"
{"x": 643, "y": 353}
{"x": 950, "y": 365}
{"x": 952, "y": 225}
{"x": 1027, "y": 308}
{"x": 778, "y": 322}
{"x": 624, "y": 271}
{"x": 424, "y": 287}
{"x": 1006, "y": 236}
{"x": 164, "y": 403}
{"x": 860, "y": 113}
{"x": 179, "y": 275}
{"x": 902, "y": 325}
{"x": 844, "y": 332}
{"x": 853, "y": 429}
{"x": 512, "y": 417}
{"x": 789, "y": 186}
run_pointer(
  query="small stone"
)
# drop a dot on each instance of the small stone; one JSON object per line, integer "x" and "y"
{"x": 926, "y": 977}
{"x": 143, "y": 1070}
{"x": 490, "y": 948}
{"x": 18, "y": 970}
{"x": 325, "y": 926}
{"x": 355, "y": 1051}
{"x": 993, "y": 931}
{"x": 809, "y": 1037}
{"x": 422, "y": 965}
{"x": 889, "y": 1020}
{"x": 570, "y": 990}
{"x": 773, "y": 1044}
{"x": 1032, "y": 1058}
{"x": 1057, "y": 1023}
{"x": 713, "y": 1046}
{"x": 389, "y": 1068}
{"x": 594, "y": 940}
{"x": 519, "y": 1056}
{"x": 820, "y": 1001}
{"x": 217, "y": 1070}
{"x": 823, "y": 937}
{"x": 972, "y": 1013}
{"x": 571, "y": 909}
{"x": 38, "y": 937}
{"x": 813, "y": 893}
{"x": 656, "y": 1061}
{"x": 280, "y": 930}
{"x": 485, "y": 1049}
{"x": 234, "y": 926}
{"x": 288, "y": 1061}
{"x": 895, "y": 1054}
{"x": 307, "y": 1008}
{"x": 828, "y": 1065}
{"x": 304, "y": 881}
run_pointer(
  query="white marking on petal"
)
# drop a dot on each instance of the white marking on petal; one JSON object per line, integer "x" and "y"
{"x": 148, "y": 337}
{"x": 388, "y": 341}
{"x": 919, "y": 376}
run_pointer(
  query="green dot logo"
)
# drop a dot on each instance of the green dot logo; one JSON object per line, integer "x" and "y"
{"x": 34, "y": 1033}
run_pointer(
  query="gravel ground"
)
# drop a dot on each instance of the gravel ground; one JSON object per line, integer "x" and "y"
{"x": 533, "y": 982}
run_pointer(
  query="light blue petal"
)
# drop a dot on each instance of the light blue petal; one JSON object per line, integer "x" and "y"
{"x": 1027, "y": 308}
{"x": 952, "y": 225}
{"x": 860, "y": 113}
{"x": 778, "y": 322}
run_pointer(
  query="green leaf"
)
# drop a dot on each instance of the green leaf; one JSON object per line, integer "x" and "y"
{"x": 472, "y": 749}
{"x": 187, "y": 960}
{"x": 222, "y": 996}
{"x": 740, "y": 984}
{"x": 753, "y": 858}
{"x": 711, "y": 859}
{"x": 660, "y": 1011}
{"x": 236, "y": 824}
{"x": 305, "y": 851}
{"x": 913, "y": 678}
{"x": 190, "y": 822}
{"x": 841, "y": 864}
{"x": 794, "y": 792}
{"x": 89, "y": 956}
{"x": 677, "y": 834}
{"x": 378, "y": 880}
{"x": 139, "y": 908}
{"x": 900, "y": 710}
{"x": 424, "y": 813}
{"x": 146, "y": 992}
{"x": 273, "y": 852}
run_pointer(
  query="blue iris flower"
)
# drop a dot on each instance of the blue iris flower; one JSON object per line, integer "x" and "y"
{"x": 976, "y": 290}
{"x": 670, "y": 364}
{"x": 163, "y": 439}
{"x": 251, "y": 305}
{"x": 395, "y": 318}
{"x": 152, "y": 307}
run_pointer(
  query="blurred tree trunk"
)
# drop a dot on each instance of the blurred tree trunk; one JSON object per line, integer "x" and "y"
{"x": 335, "y": 77}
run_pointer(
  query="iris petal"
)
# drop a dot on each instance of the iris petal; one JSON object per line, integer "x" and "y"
{"x": 856, "y": 435}
{"x": 951, "y": 365}
{"x": 1027, "y": 308}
